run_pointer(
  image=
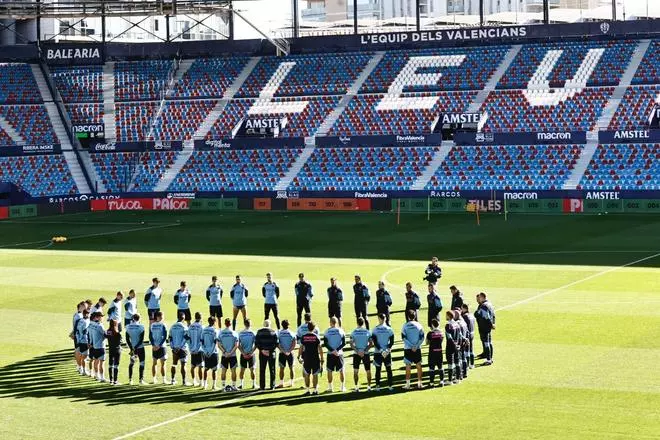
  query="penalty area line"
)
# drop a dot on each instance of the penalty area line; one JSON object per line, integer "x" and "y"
{"x": 573, "y": 283}
{"x": 194, "y": 413}
{"x": 96, "y": 234}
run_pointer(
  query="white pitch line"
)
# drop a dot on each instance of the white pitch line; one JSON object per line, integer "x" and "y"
{"x": 98, "y": 234}
{"x": 185, "y": 416}
{"x": 571, "y": 284}
{"x": 194, "y": 413}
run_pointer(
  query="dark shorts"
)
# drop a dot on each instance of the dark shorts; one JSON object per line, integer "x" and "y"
{"x": 197, "y": 361}
{"x": 334, "y": 363}
{"x": 97, "y": 353}
{"x": 82, "y": 348}
{"x": 211, "y": 362}
{"x": 435, "y": 360}
{"x": 228, "y": 362}
{"x": 380, "y": 360}
{"x": 412, "y": 357}
{"x": 247, "y": 363}
{"x": 215, "y": 311}
{"x": 179, "y": 355}
{"x": 239, "y": 307}
{"x": 366, "y": 360}
{"x": 334, "y": 310}
{"x": 161, "y": 353}
{"x": 139, "y": 352}
{"x": 285, "y": 360}
{"x": 311, "y": 367}
{"x": 360, "y": 310}
{"x": 152, "y": 314}
{"x": 186, "y": 314}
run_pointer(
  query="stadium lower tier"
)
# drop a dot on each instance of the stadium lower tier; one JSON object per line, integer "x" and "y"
{"x": 620, "y": 166}
{"x": 347, "y": 169}
{"x": 234, "y": 170}
{"x": 38, "y": 175}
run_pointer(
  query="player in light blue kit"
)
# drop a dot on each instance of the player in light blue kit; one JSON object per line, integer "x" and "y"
{"x": 178, "y": 341}
{"x": 246, "y": 340}
{"x": 195, "y": 345}
{"x": 238, "y": 294}
{"x": 287, "y": 344}
{"x": 271, "y": 292}
{"x": 157, "y": 338}
{"x": 361, "y": 344}
{"x": 228, "y": 342}
{"x": 412, "y": 334}
{"x": 182, "y": 299}
{"x": 210, "y": 351}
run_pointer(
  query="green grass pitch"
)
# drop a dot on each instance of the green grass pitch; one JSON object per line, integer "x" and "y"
{"x": 577, "y": 346}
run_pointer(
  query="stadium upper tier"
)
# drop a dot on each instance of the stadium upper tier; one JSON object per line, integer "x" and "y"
{"x": 557, "y": 87}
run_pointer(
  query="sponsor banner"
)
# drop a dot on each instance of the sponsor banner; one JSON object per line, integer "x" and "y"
{"x": 248, "y": 143}
{"x": 625, "y": 136}
{"x": 262, "y": 204}
{"x": 20, "y": 150}
{"x": 550, "y": 138}
{"x": 113, "y": 146}
{"x": 260, "y": 127}
{"x": 4, "y": 212}
{"x": 89, "y": 131}
{"x": 72, "y": 53}
{"x": 229, "y": 197}
{"x": 407, "y": 140}
{"x": 573, "y": 205}
{"x": 322, "y": 205}
{"x": 140, "y": 204}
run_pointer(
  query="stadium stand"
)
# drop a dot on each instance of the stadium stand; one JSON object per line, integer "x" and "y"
{"x": 31, "y": 122}
{"x": 649, "y": 69}
{"x": 363, "y": 117}
{"x": 460, "y": 69}
{"x": 38, "y": 175}
{"x": 506, "y": 167}
{"x": 17, "y": 84}
{"x": 79, "y": 84}
{"x": 623, "y": 166}
{"x": 208, "y": 77}
{"x": 234, "y": 170}
{"x": 115, "y": 170}
{"x": 635, "y": 107}
{"x": 347, "y": 169}
{"x": 569, "y": 64}
{"x": 306, "y": 75}
{"x": 511, "y": 111}
{"x": 141, "y": 80}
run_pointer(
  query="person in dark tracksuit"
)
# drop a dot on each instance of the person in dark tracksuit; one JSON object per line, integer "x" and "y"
{"x": 471, "y": 324}
{"x": 113, "y": 336}
{"x": 271, "y": 293}
{"x": 456, "y": 298}
{"x": 304, "y": 296}
{"x": 266, "y": 342}
{"x": 485, "y": 316}
{"x": 434, "y": 304}
{"x": 453, "y": 338}
{"x": 383, "y": 301}
{"x": 412, "y": 300}
{"x": 434, "y": 339}
{"x": 433, "y": 272}
{"x": 362, "y": 298}
{"x": 335, "y": 300}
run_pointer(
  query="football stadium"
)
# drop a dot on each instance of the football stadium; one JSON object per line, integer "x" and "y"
{"x": 401, "y": 219}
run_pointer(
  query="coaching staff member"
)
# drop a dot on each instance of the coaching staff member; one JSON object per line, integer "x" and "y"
{"x": 433, "y": 271}
{"x": 335, "y": 300}
{"x": 304, "y": 296}
{"x": 362, "y": 298}
{"x": 266, "y": 342}
{"x": 485, "y": 316}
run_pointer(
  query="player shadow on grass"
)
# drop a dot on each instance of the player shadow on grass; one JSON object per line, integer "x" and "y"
{"x": 53, "y": 375}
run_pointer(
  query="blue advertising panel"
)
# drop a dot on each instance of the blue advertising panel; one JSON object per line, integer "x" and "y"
{"x": 549, "y": 138}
